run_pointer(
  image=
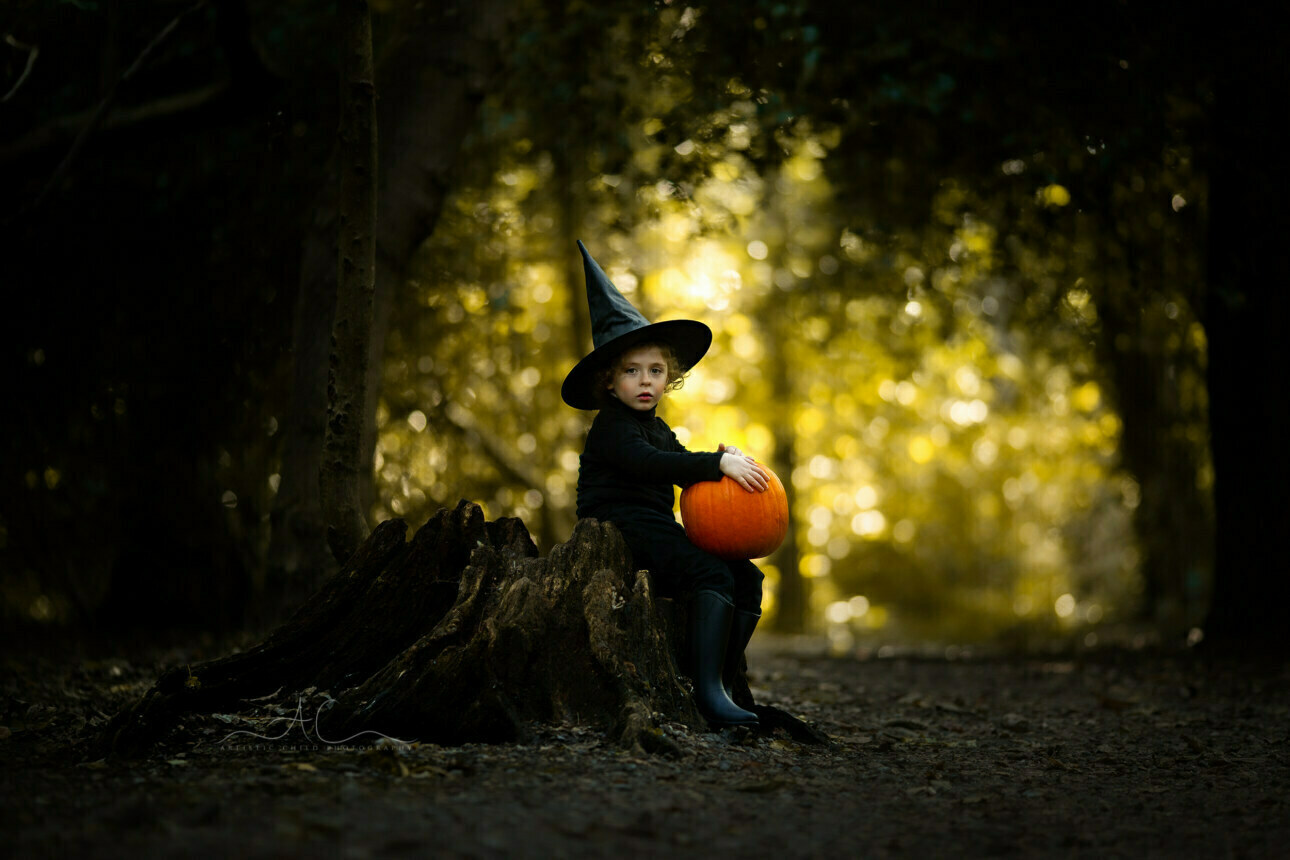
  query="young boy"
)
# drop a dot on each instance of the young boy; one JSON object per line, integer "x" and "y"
{"x": 629, "y": 464}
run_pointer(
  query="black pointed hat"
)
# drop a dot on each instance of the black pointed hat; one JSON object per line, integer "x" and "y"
{"x": 617, "y": 326}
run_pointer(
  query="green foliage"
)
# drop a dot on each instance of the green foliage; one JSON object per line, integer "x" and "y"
{"x": 939, "y": 314}
{"x": 952, "y": 261}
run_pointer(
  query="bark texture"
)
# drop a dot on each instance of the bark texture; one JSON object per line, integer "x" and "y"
{"x": 453, "y": 51}
{"x": 463, "y": 634}
{"x": 347, "y": 380}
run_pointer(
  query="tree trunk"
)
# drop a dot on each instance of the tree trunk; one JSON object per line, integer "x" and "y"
{"x": 1246, "y": 313}
{"x": 298, "y": 561}
{"x": 1173, "y": 522}
{"x": 347, "y": 380}
{"x": 453, "y": 52}
{"x": 463, "y": 634}
{"x": 793, "y": 595}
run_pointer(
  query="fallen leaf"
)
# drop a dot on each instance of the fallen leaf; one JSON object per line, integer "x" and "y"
{"x": 1117, "y": 699}
{"x": 913, "y": 725}
{"x": 1014, "y": 722}
{"x": 900, "y": 733}
{"x": 763, "y": 787}
{"x": 952, "y": 708}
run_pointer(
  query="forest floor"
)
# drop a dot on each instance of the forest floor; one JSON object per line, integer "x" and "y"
{"x": 1112, "y": 754}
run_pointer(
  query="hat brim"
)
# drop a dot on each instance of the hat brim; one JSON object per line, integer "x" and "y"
{"x": 689, "y": 338}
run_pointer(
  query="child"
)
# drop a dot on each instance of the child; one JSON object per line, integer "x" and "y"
{"x": 629, "y": 464}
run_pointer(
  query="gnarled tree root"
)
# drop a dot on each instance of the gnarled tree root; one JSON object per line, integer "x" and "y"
{"x": 463, "y": 634}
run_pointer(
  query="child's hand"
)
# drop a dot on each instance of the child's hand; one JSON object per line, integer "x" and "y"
{"x": 729, "y": 449}
{"x": 744, "y": 471}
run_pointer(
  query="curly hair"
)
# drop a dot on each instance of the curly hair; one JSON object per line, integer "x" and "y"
{"x": 676, "y": 374}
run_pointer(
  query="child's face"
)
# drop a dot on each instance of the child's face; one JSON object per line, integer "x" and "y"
{"x": 640, "y": 378}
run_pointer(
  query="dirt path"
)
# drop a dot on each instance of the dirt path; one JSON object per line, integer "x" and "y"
{"x": 1115, "y": 755}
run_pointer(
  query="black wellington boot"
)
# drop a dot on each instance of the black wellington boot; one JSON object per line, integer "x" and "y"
{"x": 742, "y": 626}
{"x": 710, "y": 617}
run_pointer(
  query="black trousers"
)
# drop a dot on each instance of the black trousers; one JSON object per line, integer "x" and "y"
{"x": 659, "y": 545}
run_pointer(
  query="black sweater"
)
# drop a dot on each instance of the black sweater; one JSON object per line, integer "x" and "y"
{"x": 632, "y": 459}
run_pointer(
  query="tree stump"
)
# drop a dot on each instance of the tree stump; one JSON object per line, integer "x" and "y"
{"x": 463, "y": 634}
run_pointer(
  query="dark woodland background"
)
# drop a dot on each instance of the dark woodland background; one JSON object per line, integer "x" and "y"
{"x": 994, "y": 288}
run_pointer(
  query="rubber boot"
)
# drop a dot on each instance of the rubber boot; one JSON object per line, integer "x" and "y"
{"x": 741, "y": 630}
{"x": 710, "y": 618}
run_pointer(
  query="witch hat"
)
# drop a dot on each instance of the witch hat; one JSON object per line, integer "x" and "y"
{"x": 617, "y": 326}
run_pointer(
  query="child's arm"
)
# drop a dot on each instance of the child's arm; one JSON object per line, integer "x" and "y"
{"x": 622, "y": 445}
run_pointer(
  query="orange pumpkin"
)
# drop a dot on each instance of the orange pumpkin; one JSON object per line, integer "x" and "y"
{"x": 732, "y": 523}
